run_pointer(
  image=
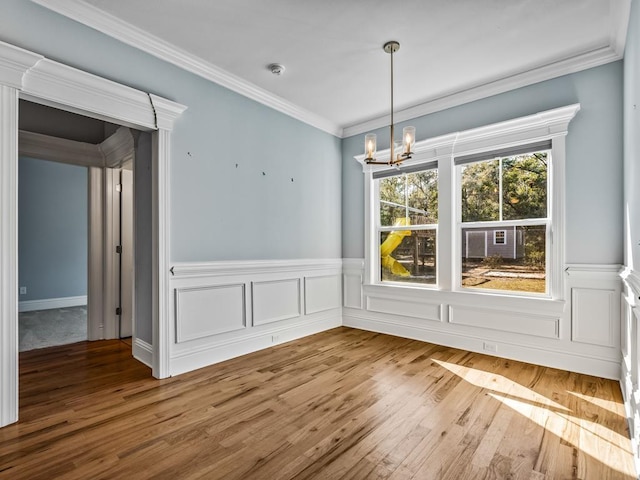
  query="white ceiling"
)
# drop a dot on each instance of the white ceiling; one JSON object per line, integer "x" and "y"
{"x": 337, "y": 75}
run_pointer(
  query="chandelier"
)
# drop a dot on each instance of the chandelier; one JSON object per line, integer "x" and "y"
{"x": 408, "y": 133}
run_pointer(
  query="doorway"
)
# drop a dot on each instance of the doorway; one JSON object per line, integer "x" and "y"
{"x": 52, "y": 253}
{"x": 82, "y": 165}
{"x": 32, "y": 77}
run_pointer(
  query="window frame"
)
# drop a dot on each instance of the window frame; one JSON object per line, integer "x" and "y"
{"x": 550, "y": 125}
{"x": 547, "y": 221}
{"x": 379, "y": 228}
{"x": 504, "y": 237}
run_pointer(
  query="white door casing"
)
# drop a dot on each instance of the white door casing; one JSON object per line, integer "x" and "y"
{"x": 30, "y": 76}
{"x": 127, "y": 256}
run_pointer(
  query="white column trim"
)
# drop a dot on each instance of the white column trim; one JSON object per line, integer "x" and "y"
{"x": 8, "y": 255}
{"x": 95, "y": 283}
{"x": 161, "y": 303}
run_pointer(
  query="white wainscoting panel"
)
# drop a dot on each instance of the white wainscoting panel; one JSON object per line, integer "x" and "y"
{"x": 231, "y": 308}
{"x": 405, "y": 308}
{"x": 275, "y": 300}
{"x": 322, "y": 293}
{"x": 209, "y": 310}
{"x": 352, "y": 290}
{"x": 530, "y": 329}
{"x": 352, "y": 271}
{"x": 593, "y": 313}
{"x": 516, "y": 322}
{"x": 630, "y": 365}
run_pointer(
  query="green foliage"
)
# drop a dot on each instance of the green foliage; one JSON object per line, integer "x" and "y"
{"x": 534, "y": 246}
{"x": 524, "y": 188}
{"x": 494, "y": 261}
{"x": 480, "y": 192}
{"x": 418, "y": 191}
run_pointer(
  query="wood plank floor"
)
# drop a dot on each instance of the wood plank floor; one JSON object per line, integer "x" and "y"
{"x": 343, "y": 404}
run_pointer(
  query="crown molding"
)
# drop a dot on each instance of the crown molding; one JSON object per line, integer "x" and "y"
{"x": 116, "y": 28}
{"x": 48, "y": 82}
{"x": 166, "y": 112}
{"x": 619, "y": 24}
{"x": 15, "y": 62}
{"x": 564, "y": 67}
{"x": 54, "y": 84}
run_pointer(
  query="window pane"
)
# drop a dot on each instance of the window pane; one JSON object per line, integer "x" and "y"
{"x": 516, "y": 265}
{"x": 413, "y": 195}
{"x": 480, "y": 192}
{"x": 408, "y": 256}
{"x": 524, "y": 186}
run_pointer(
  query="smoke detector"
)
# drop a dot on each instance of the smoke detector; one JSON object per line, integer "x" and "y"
{"x": 276, "y": 68}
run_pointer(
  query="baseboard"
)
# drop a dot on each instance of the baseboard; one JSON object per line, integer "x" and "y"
{"x": 50, "y": 303}
{"x": 216, "y": 353}
{"x": 143, "y": 352}
{"x": 630, "y": 423}
{"x": 572, "y": 362}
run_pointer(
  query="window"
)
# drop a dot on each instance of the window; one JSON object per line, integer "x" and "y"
{"x": 407, "y": 224}
{"x": 478, "y": 211}
{"x": 507, "y": 198}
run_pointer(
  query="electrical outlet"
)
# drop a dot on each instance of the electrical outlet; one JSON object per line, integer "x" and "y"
{"x": 23, "y": 290}
{"x": 490, "y": 347}
{"x": 275, "y": 338}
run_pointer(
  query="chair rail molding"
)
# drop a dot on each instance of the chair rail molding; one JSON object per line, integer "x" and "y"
{"x": 31, "y": 76}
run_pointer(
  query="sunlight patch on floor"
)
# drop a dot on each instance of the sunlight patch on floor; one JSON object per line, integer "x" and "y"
{"x": 555, "y": 417}
{"x": 499, "y": 383}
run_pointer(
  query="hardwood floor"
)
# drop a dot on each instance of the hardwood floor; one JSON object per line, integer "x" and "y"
{"x": 343, "y": 404}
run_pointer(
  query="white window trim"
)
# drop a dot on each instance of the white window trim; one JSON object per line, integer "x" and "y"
{"x": 548, "y": 125}
{"x": 504, "y": 237}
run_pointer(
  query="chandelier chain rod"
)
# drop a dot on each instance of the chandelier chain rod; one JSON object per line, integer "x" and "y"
{"x": 391, "y": 142}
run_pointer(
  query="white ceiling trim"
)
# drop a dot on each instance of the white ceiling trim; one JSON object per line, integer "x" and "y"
{"x": 116, "y": 28}
{"x": 133, "y": 36}
{"x": 564, "y": 67}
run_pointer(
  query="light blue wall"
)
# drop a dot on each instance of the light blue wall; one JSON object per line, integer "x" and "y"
{"x": 218, "y": 211}
{"x": 52, "y": 229}
{"x": 594, "y": 157}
